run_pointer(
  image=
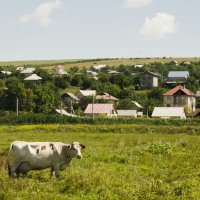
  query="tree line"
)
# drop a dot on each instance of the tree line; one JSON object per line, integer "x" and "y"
{"x": 45, "y": 97}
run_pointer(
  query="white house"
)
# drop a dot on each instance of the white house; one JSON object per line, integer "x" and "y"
{"x": 169, "y": 112}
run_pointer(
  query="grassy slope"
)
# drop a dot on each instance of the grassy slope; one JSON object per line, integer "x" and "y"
{"x": 120, "y": 165}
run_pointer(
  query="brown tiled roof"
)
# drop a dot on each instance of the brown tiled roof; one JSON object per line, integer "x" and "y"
{"x": 179, "y": 88}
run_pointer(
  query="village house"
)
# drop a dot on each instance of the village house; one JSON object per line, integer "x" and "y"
{"x": 5, "y": 73}
{"x": 92, "y": 74}
{"x": 113, "y": 72}
{"x": 177, "y": 76}
{"x": 27, "y": 72}
{"x": 173, "y": 63}
{"x": 33, "y": 77}
{"x": 68, "y": 96}
{"x": 98, "y": 67}
{"x": 59, "y": 70}
{"x": 100, "y": 110}
{"x": 85, "y": 93}
{"x": 168, "y": 112}
{"x": 180, "y": 97}
{"x": 138, "y": 66}
{"x": 106, "y": 96}
{"x": 148, "y": 80}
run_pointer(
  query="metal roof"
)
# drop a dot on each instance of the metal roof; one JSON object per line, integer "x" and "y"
{"x": 198, "y": 93}
{"x": 152, "y": 73}
{"x": 6, "y": 72}
{"x": 27, "y": 71}
{"x": 33, "y": 77}
{"x": 166, "y": 112}
{"x": 178, "y": 74}
{"x": 99, "y": 108}
{"x": 64, "y": 112}
{"x": 87, "y": 92}
{"x": 71, "y": 95}
{"x": 98, "y": 67}
{"x": 137, "y": 104}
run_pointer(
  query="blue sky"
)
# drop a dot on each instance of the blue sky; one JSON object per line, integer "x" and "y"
{"x": 72, "y": 29}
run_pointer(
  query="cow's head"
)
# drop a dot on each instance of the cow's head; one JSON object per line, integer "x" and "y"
{"x": 76, "y": 149}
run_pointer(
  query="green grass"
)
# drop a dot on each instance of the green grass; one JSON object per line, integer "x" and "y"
{"x": 116, "y": 164}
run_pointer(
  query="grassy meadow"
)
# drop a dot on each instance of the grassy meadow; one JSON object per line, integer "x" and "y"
{"x": 119, "y": 162}
{"x": 86, "y": 63}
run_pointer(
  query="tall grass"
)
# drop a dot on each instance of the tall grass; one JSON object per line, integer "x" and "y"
{"x": 118, "y": 163}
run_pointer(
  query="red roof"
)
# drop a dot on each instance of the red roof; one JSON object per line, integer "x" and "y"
{"x": 99, "y": 108}
{"x": 179, "y": 88}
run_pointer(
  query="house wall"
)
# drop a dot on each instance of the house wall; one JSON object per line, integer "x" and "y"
{"x": 180, "y": 101}
{"x": 177, "y": 79}
{"x": 147, "y": 81}
{"x": 111, "y": 113}
{"x": 59, "y": 70}
{"x": 79, "y": 95}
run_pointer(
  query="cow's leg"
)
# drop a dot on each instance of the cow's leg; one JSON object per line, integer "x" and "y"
{"x": 13, "y": 169}
{"x": 51, "y": 172}
{"x": 56, "y": 170}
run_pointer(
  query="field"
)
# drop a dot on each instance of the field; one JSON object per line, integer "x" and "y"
{"x": 67, "y": 63}
{"x": 118, "y": 163}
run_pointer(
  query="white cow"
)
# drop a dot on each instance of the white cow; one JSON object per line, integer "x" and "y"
{"x": 41, "y": 155}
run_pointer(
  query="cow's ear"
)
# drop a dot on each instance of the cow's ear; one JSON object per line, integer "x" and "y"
{"x": 69, "y": 146}
{"x": 82, "y": 146}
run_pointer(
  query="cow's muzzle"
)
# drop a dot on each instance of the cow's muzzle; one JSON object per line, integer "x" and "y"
{"x": 79, "y": 156}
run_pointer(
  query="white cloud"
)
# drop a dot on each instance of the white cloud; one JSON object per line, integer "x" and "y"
{"x": 43, "y": 13}
{"x": 136, "y": 3}
{"x": 158, "y": 27}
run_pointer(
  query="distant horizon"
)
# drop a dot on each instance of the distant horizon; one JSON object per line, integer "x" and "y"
{"x": 102, "y": 58}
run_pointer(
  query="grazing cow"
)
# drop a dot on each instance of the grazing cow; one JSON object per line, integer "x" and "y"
{"x": 41, "y": 155}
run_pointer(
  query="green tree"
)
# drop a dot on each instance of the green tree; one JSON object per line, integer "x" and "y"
{"x": 62, "y": 81}
{"x": 15, "y": 89}
{"x": 125, "y": 104}
{"x": 44, "y": 98}
{"x": 30, "y": 104}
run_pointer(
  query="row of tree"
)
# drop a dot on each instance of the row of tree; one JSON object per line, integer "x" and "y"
{"x": 45, "y": 96}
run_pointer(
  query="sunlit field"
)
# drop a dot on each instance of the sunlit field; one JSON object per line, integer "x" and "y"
{"x": 116, "y": 164}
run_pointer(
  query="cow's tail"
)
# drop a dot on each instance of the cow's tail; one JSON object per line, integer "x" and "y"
{"x": 8, "y": 164}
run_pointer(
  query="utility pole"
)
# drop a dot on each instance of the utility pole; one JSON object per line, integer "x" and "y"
{"x": 17, "y": 106}
{"x": 61, "y": 109}
{"x": 147, "y": 112}
{"x": 93, "y": 106}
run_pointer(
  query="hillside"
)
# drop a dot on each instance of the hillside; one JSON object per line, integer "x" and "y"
{"x": 68, "y": 63}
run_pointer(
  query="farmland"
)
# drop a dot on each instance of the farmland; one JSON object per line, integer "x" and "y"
{"x": 86, "y": 63}
{"x": 119, "y": 162}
